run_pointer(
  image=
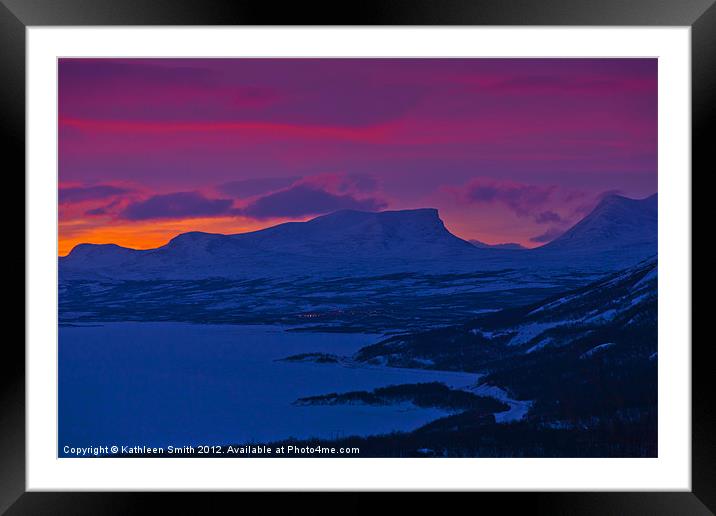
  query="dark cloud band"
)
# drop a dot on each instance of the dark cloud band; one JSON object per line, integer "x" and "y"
{"x": 302, "y": 200}
{"x": 75, "y": 194}
{"x": 175, "y": 206}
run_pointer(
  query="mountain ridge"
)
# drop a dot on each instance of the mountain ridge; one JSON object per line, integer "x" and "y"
{"x": 512, "y": 246}
{"x": 326, "y": 242}
{"x": 350, "y": 242}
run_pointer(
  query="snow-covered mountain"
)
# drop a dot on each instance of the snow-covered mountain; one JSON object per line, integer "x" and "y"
{"x": 618, "y": 233}
{"x": 335, "y": 242}
{"x": 350, "y": 233}
{"x": 615, "y": 223}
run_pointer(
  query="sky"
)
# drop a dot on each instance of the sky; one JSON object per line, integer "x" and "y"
{"x": 508, "y": 150}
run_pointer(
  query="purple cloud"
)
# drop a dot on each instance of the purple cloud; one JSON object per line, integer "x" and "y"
{"x": 74, "y": 194}
{"x": 548, "y": 217}
{"x": 521, "y": 198}
{"x": 543, "y": 84}
{"x": 109, "y": 71}
{"x": 102, "y": 210}
{"x": 177, "y": 205}
{"x": 302, "y": 200}
{"x": 256, "y": 186}
{"x": 547, "y": 236}
{"x": 359, "y": 183}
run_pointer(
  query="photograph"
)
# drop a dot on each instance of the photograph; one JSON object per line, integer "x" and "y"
{"x": 357, "y": 257}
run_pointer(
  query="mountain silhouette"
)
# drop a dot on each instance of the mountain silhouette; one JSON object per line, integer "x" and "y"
{"x": 507, "y": 245}
{"x": 616, "y": 234}
{"x": 326, "y": 242}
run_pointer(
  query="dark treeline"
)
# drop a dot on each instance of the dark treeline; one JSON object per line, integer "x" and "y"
{"x": 425, "y": 395}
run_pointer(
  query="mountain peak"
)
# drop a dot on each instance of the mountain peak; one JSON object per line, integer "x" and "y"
{"x": 616, "y": 222}
{"x": 86, "y": 255}
{"x": 617, "y": 199}
{"x": 191, "y": 238}
{"x": 348, "y": 215}
{"x": 405, "y": 233}
{"x": 84, "y": 250}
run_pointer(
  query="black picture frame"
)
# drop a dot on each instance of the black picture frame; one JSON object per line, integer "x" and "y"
{"x": 16, "y": 15}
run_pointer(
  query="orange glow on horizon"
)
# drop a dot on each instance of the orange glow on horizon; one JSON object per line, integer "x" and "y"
{"x": 156, "y": 233}
{"x": 150, "y": 234}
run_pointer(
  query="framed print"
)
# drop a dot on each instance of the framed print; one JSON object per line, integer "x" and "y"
{"x": 445, "y": 248}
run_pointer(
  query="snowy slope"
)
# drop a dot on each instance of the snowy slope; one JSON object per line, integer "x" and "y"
{"x": 580, "y": 360}
{"x": 349, "y": 234}
{"x": 616, "y": 222}
{"x": 620, "y": 304}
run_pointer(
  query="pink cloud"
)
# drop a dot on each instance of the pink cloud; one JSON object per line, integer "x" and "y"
{"x": 274, "y": 129}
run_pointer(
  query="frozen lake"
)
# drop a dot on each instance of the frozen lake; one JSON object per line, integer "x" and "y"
{"x": 157, "y": 384}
